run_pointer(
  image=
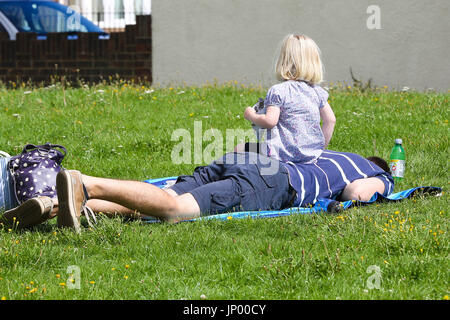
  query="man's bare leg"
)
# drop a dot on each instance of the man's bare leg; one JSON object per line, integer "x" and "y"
{"x": 111, "y": 209}
{"x": 142, "y": 197}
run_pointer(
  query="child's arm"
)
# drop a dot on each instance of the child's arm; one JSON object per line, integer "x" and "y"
{"x": 267, "y": 120}
{"x": 328, "y": 122}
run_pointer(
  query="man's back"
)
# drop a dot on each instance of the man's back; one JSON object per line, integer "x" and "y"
{"x": 332, "y": 172}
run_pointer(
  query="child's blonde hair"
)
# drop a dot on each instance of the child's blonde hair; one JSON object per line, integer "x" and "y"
{"x": 299, "y": 60}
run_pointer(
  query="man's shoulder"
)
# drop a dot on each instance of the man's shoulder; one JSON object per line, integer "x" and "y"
{"x": 337, "y": 157}
{"x": 326, "y": 154}
{"x": 343, "y": 160}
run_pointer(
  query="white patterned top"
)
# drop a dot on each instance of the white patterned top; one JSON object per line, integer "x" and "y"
{"x": 297, "y": 137}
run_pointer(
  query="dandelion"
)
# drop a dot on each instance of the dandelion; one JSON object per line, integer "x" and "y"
{"x": 229, "y": 217}
{"x": 92, "y": 282}
{"x": 125, "y": 277}
{"x": 445, "y": 297}
{"x": 3, "y": 298}
{"x": 32, "y": 290}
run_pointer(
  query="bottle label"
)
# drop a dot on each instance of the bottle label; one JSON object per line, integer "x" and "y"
{"x": 397, "y": 168}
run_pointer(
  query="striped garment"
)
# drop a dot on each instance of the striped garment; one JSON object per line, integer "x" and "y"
{"x": 328, "y": 176}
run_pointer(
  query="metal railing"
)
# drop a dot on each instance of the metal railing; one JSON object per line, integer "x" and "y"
{"x": 111, "y": 15}
{"x": 111, "y": 21}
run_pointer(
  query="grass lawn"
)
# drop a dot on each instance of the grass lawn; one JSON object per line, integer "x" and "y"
{"x": 124, "y": 131}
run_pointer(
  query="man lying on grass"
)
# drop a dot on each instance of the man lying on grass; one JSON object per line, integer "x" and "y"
{"x": 236, "y": 182}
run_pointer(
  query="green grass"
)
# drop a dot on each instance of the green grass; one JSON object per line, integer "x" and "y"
{"x": 124, "y": 131}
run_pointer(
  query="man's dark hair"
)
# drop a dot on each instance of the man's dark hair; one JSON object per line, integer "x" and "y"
{"x": 380, "y": 162}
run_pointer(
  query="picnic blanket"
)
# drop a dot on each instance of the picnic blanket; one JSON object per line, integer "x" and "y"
{"x": 322, "y": 205}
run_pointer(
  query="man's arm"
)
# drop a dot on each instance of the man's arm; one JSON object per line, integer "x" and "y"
{"x": 362, "y": 189}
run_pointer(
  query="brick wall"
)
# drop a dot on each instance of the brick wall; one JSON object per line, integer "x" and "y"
{"x": 126, "y": 54}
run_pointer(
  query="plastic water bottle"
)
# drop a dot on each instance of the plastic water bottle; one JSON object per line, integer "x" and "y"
{"x": 397, "y": 160}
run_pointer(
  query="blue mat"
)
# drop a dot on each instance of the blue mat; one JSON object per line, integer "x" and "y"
{"x": 322, "y": 205}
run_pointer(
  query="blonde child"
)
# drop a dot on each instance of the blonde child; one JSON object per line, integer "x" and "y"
{"x": 295, "y": 106}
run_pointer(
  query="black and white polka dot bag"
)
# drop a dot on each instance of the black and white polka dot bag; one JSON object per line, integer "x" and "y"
{"x": 34, "y": 171}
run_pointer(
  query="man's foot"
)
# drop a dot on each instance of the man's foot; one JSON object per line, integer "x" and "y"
{"x": 30, "y": 213}
{"x": 71, "y": 199}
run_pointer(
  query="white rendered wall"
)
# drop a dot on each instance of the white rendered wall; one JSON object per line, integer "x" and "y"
{"x": 195, "y": 41}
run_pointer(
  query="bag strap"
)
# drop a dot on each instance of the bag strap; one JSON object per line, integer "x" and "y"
{"x": 46, "y": 146}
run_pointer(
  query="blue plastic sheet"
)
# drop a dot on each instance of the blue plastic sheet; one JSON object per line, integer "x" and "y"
{"x": 322, "y": 205}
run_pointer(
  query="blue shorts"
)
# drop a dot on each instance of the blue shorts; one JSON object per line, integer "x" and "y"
{"x": 238, "y": 182}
